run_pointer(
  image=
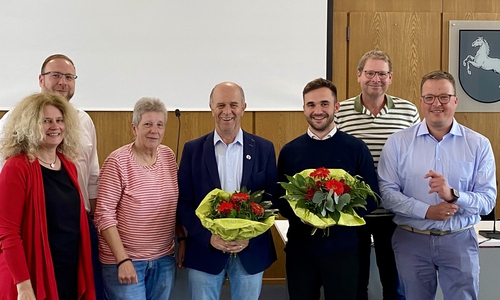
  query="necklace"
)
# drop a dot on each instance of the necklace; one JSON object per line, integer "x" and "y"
{"x": 52, "y": 165}
{"x": 142, "y": 161}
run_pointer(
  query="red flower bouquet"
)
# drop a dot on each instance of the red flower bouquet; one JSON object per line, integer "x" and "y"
{"x": 326, "y": 197}
{"x": 237, "y": 216}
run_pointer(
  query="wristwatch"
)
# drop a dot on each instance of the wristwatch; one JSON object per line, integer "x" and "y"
{"x": 455, "y": 194}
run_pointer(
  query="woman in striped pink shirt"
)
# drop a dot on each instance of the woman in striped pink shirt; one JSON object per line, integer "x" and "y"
{"x": 136, "y": 211}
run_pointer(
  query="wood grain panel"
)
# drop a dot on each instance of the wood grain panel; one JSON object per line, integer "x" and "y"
{"x": 339, "y": 56}
{"x": 276, "y": 273}
{"x": 483, "y": 123}
{"x": 461, "y": 16}
{"x": 113, "y": 131}
{"x": 280, "y": 127}
{"x": 471, "y": 6}
{"x": 412, "y": 40}
{"x": 388, "y": 5}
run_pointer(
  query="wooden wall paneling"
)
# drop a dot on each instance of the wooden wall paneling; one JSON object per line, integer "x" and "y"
{"x": 276, "y": 273}
{"x": 407, "y": 37}
{"x": 2, "y": 113}
{"x": 112, "y": 129}
{"x": 480, "y": 122}
{"x": 280, "y": 127}
{"x": 471, "y": 6}
{"x": 494, "y": 16}
{"x": 484, "y": 123}
{"x": 388, "y": 5}
{"x": 339, "y": 58}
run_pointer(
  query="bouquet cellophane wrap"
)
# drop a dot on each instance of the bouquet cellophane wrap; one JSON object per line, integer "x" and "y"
{"x": 321, "y": 222}
{"x": 230, "y": 229}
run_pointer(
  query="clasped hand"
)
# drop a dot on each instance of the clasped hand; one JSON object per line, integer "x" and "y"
{"x": 228, "y": 246}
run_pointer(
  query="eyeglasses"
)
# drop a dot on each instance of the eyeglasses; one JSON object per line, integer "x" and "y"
{"x": 381, "y": 74}
{"x": 443, "y": 98}
{"x": 58, "y": 75}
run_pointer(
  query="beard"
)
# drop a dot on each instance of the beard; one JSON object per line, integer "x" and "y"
{"x": 321, "y": 127}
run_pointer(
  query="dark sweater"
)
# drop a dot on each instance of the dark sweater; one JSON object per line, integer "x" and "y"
{"x": 342, "y": 151}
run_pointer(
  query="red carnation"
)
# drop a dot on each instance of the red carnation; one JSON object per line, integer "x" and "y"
{"x": 239, "y": 197}
{"x": 256, "y": 208}
{"x": 225, "y": 208}
{"x": 335, "y": 185}
{"x": 347, "y": 188}
{"x": 310, "y": 193}
{"x": 320, "y": 173}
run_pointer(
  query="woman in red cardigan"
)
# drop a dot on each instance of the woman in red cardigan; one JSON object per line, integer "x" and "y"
{"x": 44, "y": 235}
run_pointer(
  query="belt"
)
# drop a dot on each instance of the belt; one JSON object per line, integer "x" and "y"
{"x": 434, "y": 232}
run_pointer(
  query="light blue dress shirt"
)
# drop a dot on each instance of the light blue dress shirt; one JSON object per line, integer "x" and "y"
{"x": 229, "y": 162}
{"x": 463, "y": 156}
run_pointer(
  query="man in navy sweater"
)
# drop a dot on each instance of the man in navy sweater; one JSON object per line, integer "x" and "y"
{"x": 317, "y": 260}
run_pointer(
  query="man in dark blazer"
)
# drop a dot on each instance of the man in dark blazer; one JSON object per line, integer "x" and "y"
{"x": 229, "y": 159}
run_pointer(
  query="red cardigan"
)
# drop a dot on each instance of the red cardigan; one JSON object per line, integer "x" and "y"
{"x": 24, "y": 245}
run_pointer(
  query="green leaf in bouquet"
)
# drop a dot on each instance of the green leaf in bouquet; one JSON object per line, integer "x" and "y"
{"x": 270, "y": 212}
{"x": 232, "y": 214}
{"x": 257, "y": 196}
{"x": 323, "y": 212}
{"x": 329, "y": 205}
{"x": 301, "y": 204}
{"x": 266, "y": 204}
{"x": 348, "y": 210}
{"x": 335, "y": 216}
{"x": 310, "y": 182}
{"x": 291, "y": 189}
{"x": 300, "y": 181}
{"x": 342, "y": 201}
{"x": 294, "y": 181}
{"x": 318, "y": 197}
{"x": 293, "y": 197}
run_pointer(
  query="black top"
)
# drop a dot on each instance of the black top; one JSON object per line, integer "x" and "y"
{"x": 62, "y": 202}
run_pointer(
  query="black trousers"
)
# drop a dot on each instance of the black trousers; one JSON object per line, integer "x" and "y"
{"x": 336, "y": 272}
{"x": 382, "y": 229}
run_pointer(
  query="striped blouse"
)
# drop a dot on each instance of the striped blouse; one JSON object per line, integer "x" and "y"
{"x": 141, "y": 201}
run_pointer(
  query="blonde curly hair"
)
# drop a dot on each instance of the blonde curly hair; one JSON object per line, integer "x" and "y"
{"x": 23, "y": 131}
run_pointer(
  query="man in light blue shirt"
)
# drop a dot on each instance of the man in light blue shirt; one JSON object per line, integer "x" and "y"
{"x": 228, "y": 158}
{"x": 437, "y": 177}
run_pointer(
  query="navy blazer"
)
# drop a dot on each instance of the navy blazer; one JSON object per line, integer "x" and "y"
{"x": 198, "y": 175}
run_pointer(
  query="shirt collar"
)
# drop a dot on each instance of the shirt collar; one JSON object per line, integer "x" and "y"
{"x": 358, "y": 106}
{"x": 423, "y": 130}
{"x": 315, "y": 137}
{"x": 238, "y": 139}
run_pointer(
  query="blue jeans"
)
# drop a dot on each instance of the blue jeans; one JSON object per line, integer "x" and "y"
{"x": 155, "y": 280}
{"x": 244, "y": 286}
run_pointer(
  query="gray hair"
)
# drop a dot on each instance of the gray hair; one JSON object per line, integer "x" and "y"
{"x": 147, "y": 104}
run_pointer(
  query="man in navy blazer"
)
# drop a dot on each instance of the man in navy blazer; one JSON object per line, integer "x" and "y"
{"x": 229, "y": 159}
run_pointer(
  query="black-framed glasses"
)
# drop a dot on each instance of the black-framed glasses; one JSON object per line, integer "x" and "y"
{"x": 59, "y": 75}
{"x": 381, "y": 74}
{"x": 443, "y": 98}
